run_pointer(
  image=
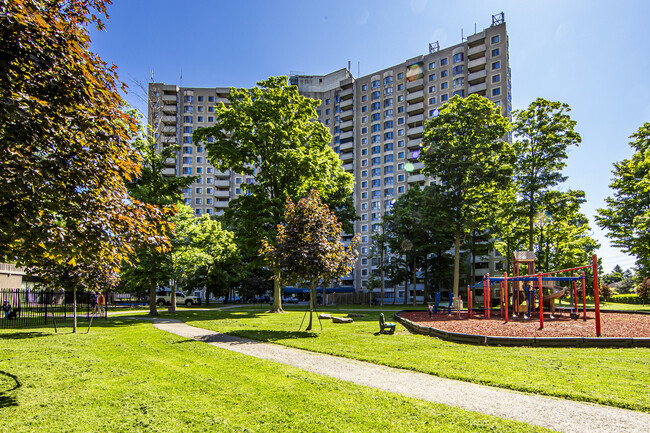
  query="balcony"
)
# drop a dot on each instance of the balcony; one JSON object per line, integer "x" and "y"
{"x": 415, "y": 132}
{"x": 476, "y": 51}
{"x": 346, "y": 146}
{"x": 415, "y": 96}
{"x": 415, "y": 108}
{"x": 221, "y": 204}
{"x": 170, "y": 109}
{"x": 169, "y": 99}
{"x": 413, "y": 144}
{"x": 169, "y": 172}
{"x": 476, "y": 38}
{"x": 346, "y": 135}
{"x": 475, "y": 77}
{"x": 170, "y": 162}
{"x": 222, "y": 194}
{"x": 218, "y": 173}
{"x": 169, "y": 120}
{"x": 168, "y": 140}
{"x": 218, "y": 100}
{"x": 415, "y": 85}
{"x": 477, "y": 88}
{"x": 222, "y": 184}
{"x": 347, "y": 125}
{"x": 412, "y": 120}
{"x": 476, "y": 64}
{"x": 344, "y": 105}
{"x": 347, "y": 93}
{"x": 348, "y": 167}
{"x": 347, "y": 115}
{"x": 416, "y": 178}
{"x": 346, "y": 157}
{"x": 169, "y": 130}
{"x": 417, "y": 166}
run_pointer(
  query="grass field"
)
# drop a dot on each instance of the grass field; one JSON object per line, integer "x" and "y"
{"x": 617, "y": 377}
{"x": 126, "y": 376}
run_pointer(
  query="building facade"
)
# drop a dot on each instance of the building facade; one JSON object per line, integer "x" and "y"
{"x": 376, "y": 121}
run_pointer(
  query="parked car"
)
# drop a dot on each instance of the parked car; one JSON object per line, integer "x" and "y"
{"x": 164, "y": 297}
{"x": 290, "y": 300}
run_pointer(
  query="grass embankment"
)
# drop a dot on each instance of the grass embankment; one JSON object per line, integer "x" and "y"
{"x": 616, "y": 377}
{"x": 126, "y": 376}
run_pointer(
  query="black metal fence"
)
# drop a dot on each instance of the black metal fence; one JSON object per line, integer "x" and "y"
{"x": 21, "y": 308}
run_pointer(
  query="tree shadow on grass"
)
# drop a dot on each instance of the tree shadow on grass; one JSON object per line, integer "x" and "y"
{"x": 21, "y": 335}
{"x": 267, "y": 336}
{"x": 6, "y": 399}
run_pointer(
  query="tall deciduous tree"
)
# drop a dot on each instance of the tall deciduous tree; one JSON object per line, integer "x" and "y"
{"x": 627, "y": 216}
{"x": 152, "y": 266}
{"x": 270, "y": 132}
{"x": 465, "y": 150}
{"x": 66, "y": 149}
{"x": 543, "y": 133}
{"x": 308, "y": 248}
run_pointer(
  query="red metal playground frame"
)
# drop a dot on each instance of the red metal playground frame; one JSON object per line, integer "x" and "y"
{"x": 488, "y": 282}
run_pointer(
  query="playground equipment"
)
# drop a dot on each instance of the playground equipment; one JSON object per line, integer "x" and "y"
{"x": 527, "y": 291}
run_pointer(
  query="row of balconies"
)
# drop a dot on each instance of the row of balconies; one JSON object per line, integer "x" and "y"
{"x": 346, "y": 93}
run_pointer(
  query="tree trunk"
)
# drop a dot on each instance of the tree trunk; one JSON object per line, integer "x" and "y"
{"x": 312, "y": 297}
{"x": 74, "y": 309}
{"x": 153, "y": 310}
{"x": 531, "y": 230}
{"x": 172, "y": 307}
{"x": 456, "y": 263}
{"x": 381, "y": 275}
{"x": 277, "y": 294}
{"x": 415, "y": 282}
{"x": 406, "y": 280}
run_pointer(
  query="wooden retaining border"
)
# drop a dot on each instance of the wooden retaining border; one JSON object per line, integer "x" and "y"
{"x": 484, "y": 340}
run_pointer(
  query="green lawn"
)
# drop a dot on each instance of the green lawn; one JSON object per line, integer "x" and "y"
{"x": 126, "y": 376}
{"x": 617, "y": 377}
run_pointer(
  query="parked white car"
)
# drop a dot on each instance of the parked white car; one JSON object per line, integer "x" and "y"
{"x": 164, "y": 297}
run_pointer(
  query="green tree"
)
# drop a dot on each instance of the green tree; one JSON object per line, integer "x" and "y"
{"x": 615, "y": 276}
{"x": 627, "y": 216}
{"x": 465, "y": 150}
{"x": 152, "y": 266}
{"x": 543, "y": 133}
{"x": 269, "y": 132}
{"x": 308, "y": 248}
{"x": 643, "y": 290}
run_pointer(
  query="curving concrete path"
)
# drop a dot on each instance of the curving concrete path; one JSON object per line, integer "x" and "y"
{"x": 552, "y": 413}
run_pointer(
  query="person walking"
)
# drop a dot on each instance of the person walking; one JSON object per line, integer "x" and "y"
{"x": 101, "y": 301}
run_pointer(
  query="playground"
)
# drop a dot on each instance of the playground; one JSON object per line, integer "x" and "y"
{"x": 524, "y": 305}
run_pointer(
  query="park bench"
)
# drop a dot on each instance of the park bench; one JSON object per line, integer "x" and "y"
{"x": 386, "y": 327}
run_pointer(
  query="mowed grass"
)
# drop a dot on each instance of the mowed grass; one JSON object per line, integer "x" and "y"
{"x": 616, "y": 377}
{"x": 126, "y": 376}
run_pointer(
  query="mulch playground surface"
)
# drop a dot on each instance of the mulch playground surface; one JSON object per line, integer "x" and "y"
{"x": 612, "y": 324}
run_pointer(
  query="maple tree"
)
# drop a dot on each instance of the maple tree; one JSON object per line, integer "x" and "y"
{"x": 308, "y": 247}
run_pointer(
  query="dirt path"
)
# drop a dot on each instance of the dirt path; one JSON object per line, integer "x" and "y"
{"x": 556, "y": 414}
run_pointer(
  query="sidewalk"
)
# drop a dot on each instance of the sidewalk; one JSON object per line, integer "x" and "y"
{"x": 552, "y": 413}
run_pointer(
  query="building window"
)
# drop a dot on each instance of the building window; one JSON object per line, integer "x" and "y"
{"x": 460, "y": 93}
{"x": 400, "y": 87}
{"x": 364, "y": 108}
{"x": 400, "y": 109}
{"x": 444, "y": 97}
{"x": 388, "y": 113}
{"x": 400, "y": 132}
{"x": 376, "y": 160}
{"x": 187, "y": 140}
{"x": 187, "y": 170}
{"x": 496, "y": 78}
{"x": 328, "y": 111}
{"x": 375, "y": 172}
{"x": 388, "y": 135}
{"x": 364, "y": 141}
{"x": 364, "y": 195}
{"x": 432, "y": 100}
{"x": 375, "y": 95}
{"x": 364, "y": 151}
{"x": 495, "y": 52}
{"x": 375, "y": 106}
{"x": 400, "y": 155}
{"x": 199, "y": 160}
{"x": 376, "y": 149}
{"x": 432, "y": 77}
{"x": 364, "y": 98}
{"x": 327, "y": 102}
{"x": 388, "y": 180}
{"x": 187, "y": 160}
{"x": 388, "y": 158}
{"x": 375, "y": 84}
{"x": 376, "y": 139}
{"x": 200, "y": 119}
{"x": 199, "y": 109}
{"x": 188, "y": 119}
{"x": 496, "y": 92}
{"x": 388, "y": 146}
{"x": 400, "y": 143}
{"x": 364, "y": 184}
{"x": 188, "y": 109}
{"x": 364, "y": 130}
{"x": 458, "y": 69}
{"x": 210, "y": 119}
{"x": 198, "y": 211}
{"x": 444, "y": 85}
{"x": 376, "y": 127}
{"x": 388, "y": 79}
{"x": 432, "y": 65}
{"x": 388, "y": 91}
{"x": 400, "y": 98}
{"x": 210, "y": 98}
{"x": 199, "y": 190}
{"x": 496, "y": 65}
{"x": 375, "y": 117}
{"x": 376, "y": 194}
{"x": 364, "y": 119}
{"x": 443, "y": 74}
{"x": 443, "y": 62}
{"x": 495, "y": 39}
{"x": 364, "y": 87}
{"x": 388, "y": 192}
{"x": 400, "y": 178}
{"x": 388, "y": 124}
{"x": 388, "y": 102}
{"x": 388, "y": 169}
{"x": 364, "y": 228}
{"x": 458, "y": 57}
{"x": 400, "y": 75}
{"x": 400, "y": 189}
{"x": 189, "y": 99}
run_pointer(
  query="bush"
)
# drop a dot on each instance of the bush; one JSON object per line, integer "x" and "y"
{"x": 628, "y": 298}
{"x": 606, "y": 292}
{"x": 643, "y": 290}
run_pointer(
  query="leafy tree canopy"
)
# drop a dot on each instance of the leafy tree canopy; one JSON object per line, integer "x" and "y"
{"x": 627, "y": 215}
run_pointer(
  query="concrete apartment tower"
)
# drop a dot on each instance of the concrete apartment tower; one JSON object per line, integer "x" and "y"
{"x": 377, "y": 124}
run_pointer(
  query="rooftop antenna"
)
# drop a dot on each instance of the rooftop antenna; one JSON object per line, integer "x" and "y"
{"x": 358, "y": 69}
{"x": 434, "y": 47}
{"x": 180, "y": 84}
{"x": 474, "y": 28}
{"x": 152, "y": 75}
{"x": 349, "y": 65}
{"x": 498, "y": 19}
{"x": 462, "y": 37}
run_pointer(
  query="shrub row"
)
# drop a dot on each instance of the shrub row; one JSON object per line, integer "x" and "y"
{"x": 628, "y": 298}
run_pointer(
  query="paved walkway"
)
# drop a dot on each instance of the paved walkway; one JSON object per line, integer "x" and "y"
{"x": 552, "y": 413}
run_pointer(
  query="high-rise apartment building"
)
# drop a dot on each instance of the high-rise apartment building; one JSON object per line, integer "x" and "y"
{"x": 377, "y": 124}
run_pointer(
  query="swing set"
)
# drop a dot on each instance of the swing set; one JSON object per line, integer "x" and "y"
{"x": 526, "y": 292}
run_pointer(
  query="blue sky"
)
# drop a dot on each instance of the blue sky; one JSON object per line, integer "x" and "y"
{"x": 592, "y": 55}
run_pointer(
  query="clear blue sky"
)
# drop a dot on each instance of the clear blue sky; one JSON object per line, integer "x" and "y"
{"x": 592, "y": 55}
